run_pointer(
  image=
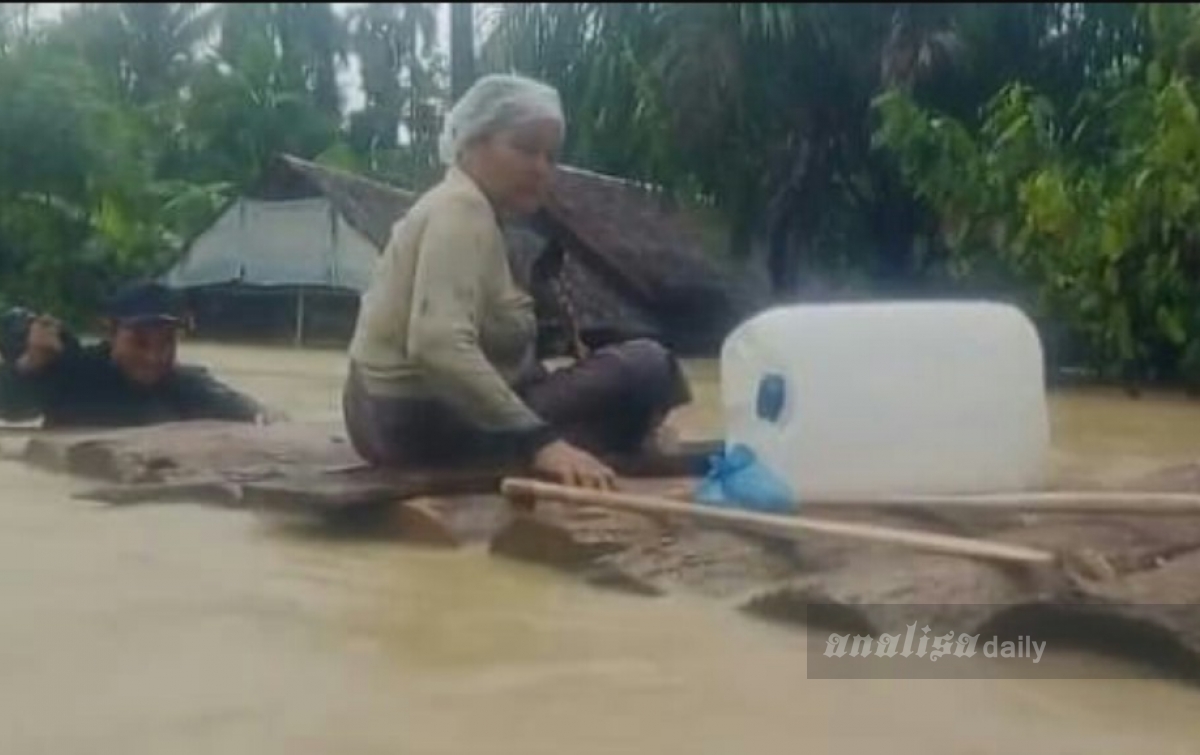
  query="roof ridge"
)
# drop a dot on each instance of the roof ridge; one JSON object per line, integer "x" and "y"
{"x": 609, "y": 178}
{"x": 303, "y": 164}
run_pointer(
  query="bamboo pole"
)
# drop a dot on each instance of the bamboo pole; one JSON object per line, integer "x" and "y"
{"x": 788, "y": 526}
{"x": 1055, "y": 502}
{"x": 299, "y": 336}
{"x": 1126, "y": 502}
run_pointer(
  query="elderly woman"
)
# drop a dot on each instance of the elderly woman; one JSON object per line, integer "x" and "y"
{"x": 443, "y": 360}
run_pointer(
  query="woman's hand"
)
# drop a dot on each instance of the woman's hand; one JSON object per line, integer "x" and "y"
{"x": 573, "y": 466}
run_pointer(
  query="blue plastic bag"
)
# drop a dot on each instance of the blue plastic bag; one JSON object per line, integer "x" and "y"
{"x": 737, "y": 479}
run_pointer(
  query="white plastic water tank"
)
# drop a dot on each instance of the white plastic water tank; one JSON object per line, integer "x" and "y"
{"x": 877, "y": 399}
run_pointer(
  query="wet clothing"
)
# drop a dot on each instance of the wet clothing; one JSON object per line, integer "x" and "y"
{"x": 444, "y": 363}
{"x": 443, "y": 317}
{"x": 608, "y": 402}
{"x": 84, "y": 388}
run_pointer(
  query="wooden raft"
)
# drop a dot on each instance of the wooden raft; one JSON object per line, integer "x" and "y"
{"x": 1148, "y": 609}
{"x": 306, "y": 470}
{"x": 311, "y": 470}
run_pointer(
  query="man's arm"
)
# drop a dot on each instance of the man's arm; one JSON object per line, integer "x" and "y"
{"x": 22, "y": 397}
{"x": 23, "y": 380}
{"x": 201, "y": 396}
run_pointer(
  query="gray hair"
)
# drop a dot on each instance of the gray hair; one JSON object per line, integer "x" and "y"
{"x": 495, "y": 103}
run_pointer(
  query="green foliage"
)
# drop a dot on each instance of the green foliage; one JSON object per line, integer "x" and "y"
{"x": 236, "y": 120}
{"x": 1095, "y": 211}
{"x": 142, "y": 52}
{"x": 135, "y": 129}
{"x": 74, "y": 188}
{"x": 1046, "y": 152}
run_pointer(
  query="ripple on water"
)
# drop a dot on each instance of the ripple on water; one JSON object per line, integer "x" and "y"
{"x": 188, "y": 630}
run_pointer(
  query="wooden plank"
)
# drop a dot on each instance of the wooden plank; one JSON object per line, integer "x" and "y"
{"x": 432, "y": 521}
{"x": 881, "y": 587}
{"x": 1147, "y": 617}
{"x": 450, "y": 521}
{"x": 787, "y": 526}
{"x": 333, "y": 492}
{"x": 162, "y": 453}
{"x": 215, "y": 491}
{"x": 645, "y": 555}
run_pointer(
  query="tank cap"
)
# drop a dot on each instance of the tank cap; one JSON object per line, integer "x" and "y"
{"x": 772, "y": 392}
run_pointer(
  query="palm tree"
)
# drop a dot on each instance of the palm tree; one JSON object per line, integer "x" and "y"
{"x": 598, "y": 57}
{"x": 145, "y": 50}
{"x": 312, "y": 42}
{"x": 16, "y": 25}
{"x": 8, "y": 24}
{"x": 304, "y": 41}
{"x": 765, "y": 109}
{"x": 395, "y": 46}
{"x": 462, "y": 47}
{"x": 161, "y": 43}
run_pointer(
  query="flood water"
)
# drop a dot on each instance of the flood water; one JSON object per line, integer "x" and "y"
{"x": 184, "y": 629}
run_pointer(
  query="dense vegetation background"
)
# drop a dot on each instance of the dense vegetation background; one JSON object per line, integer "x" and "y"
{"x": 1047, "y": 153}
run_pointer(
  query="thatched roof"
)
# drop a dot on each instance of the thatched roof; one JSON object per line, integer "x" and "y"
{"x": 631, "y": 264}
{"x": 370, "y": 206}
{"x": 637, "y": 248}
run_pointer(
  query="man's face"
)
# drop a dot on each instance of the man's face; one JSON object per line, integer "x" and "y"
{"x": 144, "y": 353}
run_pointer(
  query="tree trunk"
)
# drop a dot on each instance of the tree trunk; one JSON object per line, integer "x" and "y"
{"x": 893, "y": 222}
{"x": 788, "y": 215}
{"x": 462, "y": 47}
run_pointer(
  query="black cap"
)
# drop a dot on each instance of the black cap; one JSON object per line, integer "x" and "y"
{"x": 144, "y": 304}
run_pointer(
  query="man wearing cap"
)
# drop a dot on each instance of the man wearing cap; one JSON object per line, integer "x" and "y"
{"x": 129, "y": 379}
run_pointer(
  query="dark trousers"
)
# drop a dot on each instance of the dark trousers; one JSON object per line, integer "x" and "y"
{"x": 608, "y": 402}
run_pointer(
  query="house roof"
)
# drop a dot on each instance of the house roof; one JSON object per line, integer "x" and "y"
{"x": 370, "y": 206}
{"x": 633, "y": 266}
{"x": 301, "y": 224}
{"x": 642, "y": 249}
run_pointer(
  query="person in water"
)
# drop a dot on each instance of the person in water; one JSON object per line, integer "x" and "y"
{"x": 129, "y": 379}
{"x": 443, "y": 361}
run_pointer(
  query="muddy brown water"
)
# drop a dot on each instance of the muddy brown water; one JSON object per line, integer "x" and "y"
{"x": 180, "y": 629}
